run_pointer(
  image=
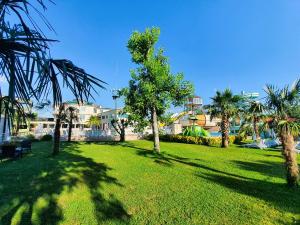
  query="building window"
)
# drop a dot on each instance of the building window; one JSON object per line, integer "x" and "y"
{"x": 45, "y": 126}
{"x": 65, "y": 126}
{"x": 51, "y": 125}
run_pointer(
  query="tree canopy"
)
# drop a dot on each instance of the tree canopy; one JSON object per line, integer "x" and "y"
{"x": 152, "y": 88}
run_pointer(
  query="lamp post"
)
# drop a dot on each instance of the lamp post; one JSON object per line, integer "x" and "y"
{"x": 115, "y": 96}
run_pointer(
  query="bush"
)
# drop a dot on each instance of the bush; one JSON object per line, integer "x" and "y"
{"x": 31, "y": 138}
{"x": 208, "y": 141}
{"x": 46, "y": 137}
{"x": 239, "y": 140}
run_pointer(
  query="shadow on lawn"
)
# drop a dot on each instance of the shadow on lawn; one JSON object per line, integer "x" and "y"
{"x": 276, "y": 194}
{"x": 268, "y": 168}
{"x": 30, "y": 187}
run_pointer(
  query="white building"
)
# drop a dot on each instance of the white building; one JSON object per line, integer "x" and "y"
{"x": 85, "y": 110}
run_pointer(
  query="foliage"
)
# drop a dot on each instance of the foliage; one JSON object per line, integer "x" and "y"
{"x": 199, "y": 140}
{"x": 31, "y": 138}
{"x": 225, "y": 105}
{"x": 26, "y": 63}
{"x": 280, "y": 102}
{"x": 94, "y": 121}
{"x": 47, "y": 137}
{"x": 152, "y": 88}
{"x": 166, "y": 119}
{"x": 195, "y": 131}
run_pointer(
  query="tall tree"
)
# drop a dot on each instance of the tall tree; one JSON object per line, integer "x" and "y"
{"x": 280, "y": 102}
{"x": 152, "y": 88}
{"x": 225, "y": 106}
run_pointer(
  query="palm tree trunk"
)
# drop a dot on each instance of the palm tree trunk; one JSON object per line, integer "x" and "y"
{"x": 255, "y": 127}
{"x": 70, "y": 129}
{"x": 290, "y": 156}
{"x": 225, "y": 131}
{"x": 56, "y": 140}
{"x": 155, "y": 130}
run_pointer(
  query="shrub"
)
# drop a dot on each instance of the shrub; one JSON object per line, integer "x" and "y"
{"x": 232, "y": 139}
{"x": 239, "y": 140}
{"x": 214, "y": 141}
{"x": 31, "y": 138}
{"x": 209, "y": 141}
{"x": 46, "y": 137}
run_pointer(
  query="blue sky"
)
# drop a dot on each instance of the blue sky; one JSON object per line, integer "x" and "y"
{"x": 215, "y": 43}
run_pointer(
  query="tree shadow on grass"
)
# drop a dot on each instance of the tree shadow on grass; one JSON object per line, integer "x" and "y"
{"x": 167, "y": 159}
{"x": 276, "y": 194}
{"x": 30, "y": 187}
{"x": 268, "y": 168}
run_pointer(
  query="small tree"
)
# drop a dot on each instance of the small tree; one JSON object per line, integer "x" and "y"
{"x": 152, "y": 88}
{"x": 120, "y": 125}
{"x": 94, "y": 121}
{"x": 252, "y": 114}
{"x": 71, "y": 116}
{"x": 224, "y": 106}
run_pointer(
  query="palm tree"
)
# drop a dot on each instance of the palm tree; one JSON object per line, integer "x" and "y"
{"x": 253, "y": 115}
{"x": 26, "y": 64}
{"x": 224, "y": 106}
{"x": 94, "y": 121}
{"x": 279, "y": 102}
{"x": 71, "y": 116}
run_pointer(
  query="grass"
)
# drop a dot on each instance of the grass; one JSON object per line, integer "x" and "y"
{"x": 90, "y": 183}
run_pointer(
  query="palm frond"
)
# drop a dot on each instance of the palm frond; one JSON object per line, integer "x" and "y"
{"x": 81, "y": 84}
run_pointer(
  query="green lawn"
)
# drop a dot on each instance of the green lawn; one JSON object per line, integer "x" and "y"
{"x": 127, "y": 184}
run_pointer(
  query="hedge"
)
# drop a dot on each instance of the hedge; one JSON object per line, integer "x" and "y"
{"x": 208, "y": 141}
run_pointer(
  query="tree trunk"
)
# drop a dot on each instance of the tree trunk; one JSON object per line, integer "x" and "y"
{"x": 70, "y": 130}
{"x": 255, "y": 127}
{"x": 225, "y": 131}
{"x": 56, "y": 140}
{"x": 122, "y": 135}
{"x": 155, "y": 131}
{"x": 290, "y": 156}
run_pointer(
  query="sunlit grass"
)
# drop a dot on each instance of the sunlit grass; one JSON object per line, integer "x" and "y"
{"x": 90, "y": 183}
